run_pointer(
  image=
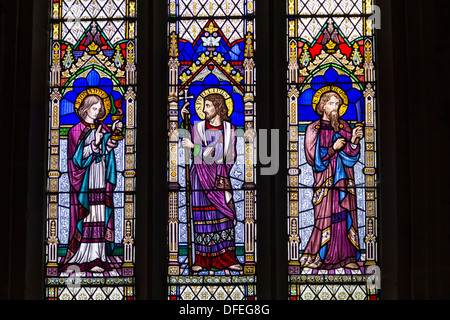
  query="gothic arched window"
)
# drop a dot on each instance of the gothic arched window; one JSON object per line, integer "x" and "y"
{"x": 91, "y": 150}
{"x": 331, "y": 94}
{"x": 211, "y": 123}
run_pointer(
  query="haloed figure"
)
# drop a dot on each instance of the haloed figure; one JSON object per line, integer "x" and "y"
{"x": 213, "y": 211}
{"x": 92, "y": 175}
{"x": 332, "y": 149}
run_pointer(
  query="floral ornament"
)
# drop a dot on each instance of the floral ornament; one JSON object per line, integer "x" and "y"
{"x": 332, "y": 81}
{"x": 80, "y": 86}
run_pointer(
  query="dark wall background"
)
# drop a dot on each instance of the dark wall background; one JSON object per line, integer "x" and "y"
{"x": 413, "y": 135}
{"x": 414, "y": 193}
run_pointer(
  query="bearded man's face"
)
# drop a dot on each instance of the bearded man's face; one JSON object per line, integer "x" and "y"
{"x": 331, "y": 110}
{"x": 209, "y": 110}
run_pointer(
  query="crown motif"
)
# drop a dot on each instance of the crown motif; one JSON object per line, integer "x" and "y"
{"x": 93, "y": 47}
{"x": 330, "y": 46}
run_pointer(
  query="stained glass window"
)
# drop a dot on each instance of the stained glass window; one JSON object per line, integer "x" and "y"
{"x": 91, "y": 150}
{"x": 331, "y": 105}
{"x": 211, "y": 168}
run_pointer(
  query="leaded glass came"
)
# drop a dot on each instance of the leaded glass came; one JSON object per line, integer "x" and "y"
{"x": 211, "y": 117}
{"x": 91, "y": 150}
{"x": 332, "y": 220}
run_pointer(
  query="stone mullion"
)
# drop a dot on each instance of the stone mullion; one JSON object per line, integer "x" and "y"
{"x": 249, "y": 166}
{"x": 293, "y": 172}
{"x": 370, "y": 177}
{"x": 130, "y": 182}
{"x": 53, "y": 185}
{"x": 173, "y": 175}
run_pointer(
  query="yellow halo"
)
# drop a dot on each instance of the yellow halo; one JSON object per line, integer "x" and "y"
{"x": 201, "y": 97}
{"x": 98, "y": 92}
{"x": 316, "y": 99}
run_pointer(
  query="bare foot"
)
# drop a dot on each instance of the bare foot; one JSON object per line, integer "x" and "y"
{"x": 352, "y": 265}
{"x": 196, "y": 268}
{"x": 235, "y": 267}
{"x": 97, "y": 269}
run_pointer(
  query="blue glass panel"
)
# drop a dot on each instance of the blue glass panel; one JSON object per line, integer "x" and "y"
{"x": 79, "y": 85}
{"x": 93, "y": 78}
{"x": 70, "y": 96}
{"x": 66, "y": 107}
{"x": 237, "y": 119}
{"x": 331, "y": 75}
{"x": 306, "y": 98}
{"x": 106, "y": 85}
{"x": 318, "y": 82}
{"x": 238, "y": 103}
{"x": 116, "y": 95}
{"x": 211, "y": 81}
{"x": 306, "y": 113}
{"x": 235, "y": 52}
{"x": 186, "y": 50}
{"x": 344, "y": 82}
{"x": 226, "y": 86}
{"x": 69, "y": 119}
{"x": 354, "y": 95}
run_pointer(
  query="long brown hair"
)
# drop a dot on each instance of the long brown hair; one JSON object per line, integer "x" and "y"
{"x": 87, "y": 103}
{"x": 320, "y": 110}
{"x": 219, "y": 104}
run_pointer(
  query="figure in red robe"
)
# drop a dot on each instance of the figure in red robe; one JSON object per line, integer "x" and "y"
{"x": 92, "y": 176}
{"x": 332, "y": 149}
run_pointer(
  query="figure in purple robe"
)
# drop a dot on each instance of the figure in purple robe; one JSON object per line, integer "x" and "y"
{"x": 92, "y": 176}
{"x": 332, "y": 149}
{"x": 213, "y": 211}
